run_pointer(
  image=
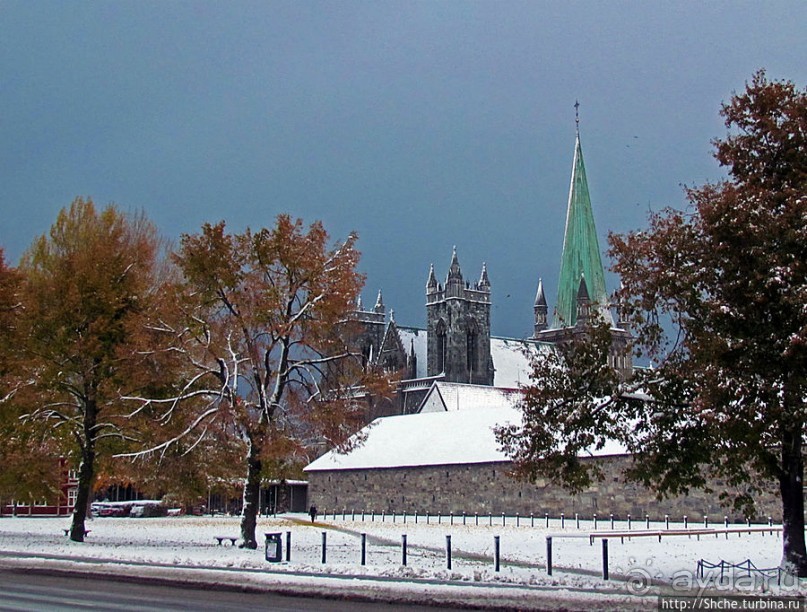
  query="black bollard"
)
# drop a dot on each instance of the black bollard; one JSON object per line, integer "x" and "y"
{"x": 403, "y": 549}
{"x": 324, "y": 545}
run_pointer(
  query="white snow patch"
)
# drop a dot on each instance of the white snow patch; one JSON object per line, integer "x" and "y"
{"x": 175, "y": 547}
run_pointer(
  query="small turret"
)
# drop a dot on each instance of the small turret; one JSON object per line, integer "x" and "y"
{"x": 454, "y": 282}
{"x": 359, "y": 304}
{"x": 484, "y": 281}
{"x": 379, "y": 303}
{"x": 431, "y": 283}
{"x": 583, "y": 303}
{"x": 621, "y": 311}
{"x": 412, "y": 360}
{"x": 541, "y": 309}
{"x": 454, "y": 272}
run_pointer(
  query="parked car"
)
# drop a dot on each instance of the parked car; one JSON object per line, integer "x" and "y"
{"x": 109, "y": 509}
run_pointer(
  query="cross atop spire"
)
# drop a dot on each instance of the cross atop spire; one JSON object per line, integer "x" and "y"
{"x": 577, "y": 115}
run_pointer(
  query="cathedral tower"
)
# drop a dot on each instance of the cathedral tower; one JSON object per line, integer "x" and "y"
{"x": 458, "y": 320}
{"x": 581, "y": 251}
{"x": 581, "y": 285}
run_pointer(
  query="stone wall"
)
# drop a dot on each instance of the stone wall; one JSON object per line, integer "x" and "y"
{"x": 486, "y": 489}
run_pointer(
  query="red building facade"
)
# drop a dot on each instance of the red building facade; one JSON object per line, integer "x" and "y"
{"x": 61, "y": 503}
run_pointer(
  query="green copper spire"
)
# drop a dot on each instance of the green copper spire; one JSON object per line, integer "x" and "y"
{"x": 581, "y": 251}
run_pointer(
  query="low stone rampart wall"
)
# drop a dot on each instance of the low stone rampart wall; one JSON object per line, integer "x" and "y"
{"x": 487, "y": 489}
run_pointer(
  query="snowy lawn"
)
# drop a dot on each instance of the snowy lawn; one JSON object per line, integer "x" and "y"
{"x": 636, "y": 564}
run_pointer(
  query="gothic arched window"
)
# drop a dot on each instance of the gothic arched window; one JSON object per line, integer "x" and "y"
{"x": 441, "y": 346}
{"x": 367, "y": 355}
{"x": 471, "y": 344}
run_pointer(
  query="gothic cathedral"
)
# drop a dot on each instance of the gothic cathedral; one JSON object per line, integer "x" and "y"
{"x": 457, "y": 345}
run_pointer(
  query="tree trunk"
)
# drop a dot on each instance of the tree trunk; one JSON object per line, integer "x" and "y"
{"x": 252, "y": 491}
{"x": 86, "y": 471}
{"x": 794, "y": 552}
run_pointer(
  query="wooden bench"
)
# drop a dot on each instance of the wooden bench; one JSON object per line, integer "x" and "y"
{"x": 67, "y": 531}
{"x": 221, "y": 539}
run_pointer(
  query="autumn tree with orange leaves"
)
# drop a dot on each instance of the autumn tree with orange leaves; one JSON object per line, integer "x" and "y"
{"x": 85, "y": 286}
{"x": 261, "y": 321}
{"x": 27, "y": 454}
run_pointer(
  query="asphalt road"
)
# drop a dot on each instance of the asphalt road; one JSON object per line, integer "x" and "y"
{"x": 33, "y": 592}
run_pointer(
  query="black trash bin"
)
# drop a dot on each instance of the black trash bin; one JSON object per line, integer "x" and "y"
{"x": 274, "y": 547}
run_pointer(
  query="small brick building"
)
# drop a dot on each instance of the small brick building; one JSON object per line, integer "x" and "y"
{"x": 59, "y": 503}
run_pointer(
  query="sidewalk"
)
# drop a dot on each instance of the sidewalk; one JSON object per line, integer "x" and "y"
{"x": 462, "y": 595}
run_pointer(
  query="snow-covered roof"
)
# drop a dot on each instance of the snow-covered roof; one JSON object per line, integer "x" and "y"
{"x": 453, "y": 437}
{"x": 434, "y": 438}
{"x": 511, "y": 356}
{"x": 511, "y": 360}
{"x": 445, "y": 396}
{"x": 411, "y": 336}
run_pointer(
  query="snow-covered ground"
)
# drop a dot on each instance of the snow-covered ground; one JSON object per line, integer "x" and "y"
{"x": 638, "y": 566}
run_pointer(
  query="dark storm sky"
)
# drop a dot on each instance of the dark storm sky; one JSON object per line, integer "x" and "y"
{"x": 421, "y": 125}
